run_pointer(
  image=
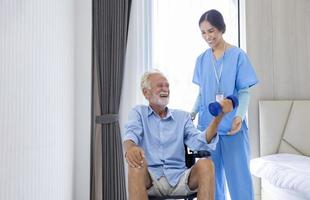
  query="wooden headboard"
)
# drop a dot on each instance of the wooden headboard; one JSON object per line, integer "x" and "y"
{"x": 284, "y": 127}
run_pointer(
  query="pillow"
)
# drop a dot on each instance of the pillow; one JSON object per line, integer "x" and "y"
{"x": 286, "y": 171}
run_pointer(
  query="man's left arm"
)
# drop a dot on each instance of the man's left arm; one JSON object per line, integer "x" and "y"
{"x": 197, "y": 140}
{"x": 211, "y": 131}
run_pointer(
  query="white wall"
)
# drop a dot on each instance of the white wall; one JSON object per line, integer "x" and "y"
{"x": 83, "y": 21}
{"x": 36, "y": 99}
{"x": 278, "y": 43}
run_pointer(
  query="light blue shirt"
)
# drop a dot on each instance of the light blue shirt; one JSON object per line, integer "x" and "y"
{"x": 163, "y": 139}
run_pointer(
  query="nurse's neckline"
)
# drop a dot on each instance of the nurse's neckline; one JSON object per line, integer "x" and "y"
{"x": 227, "y": 48}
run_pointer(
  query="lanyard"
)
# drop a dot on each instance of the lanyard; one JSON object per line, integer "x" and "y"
{"x": 218, "y": 76}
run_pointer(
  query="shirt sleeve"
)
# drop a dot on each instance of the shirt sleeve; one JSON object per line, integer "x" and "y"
{"x": 246, "y": 76}
{"x": 133, "y": 128}
{"x": 195, "y": 139}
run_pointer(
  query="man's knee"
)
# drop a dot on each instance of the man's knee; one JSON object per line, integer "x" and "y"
{"x": 205, "y": 167}
{"x": 138, "y": 171}
{"x": 135, "y": 171}
{"x": 202, "y": 173}
{"x": 139, "y": 175}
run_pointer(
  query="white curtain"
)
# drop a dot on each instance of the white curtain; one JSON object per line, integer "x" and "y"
{"x": 137, "y": 61}
{"x": 138, "y": 57}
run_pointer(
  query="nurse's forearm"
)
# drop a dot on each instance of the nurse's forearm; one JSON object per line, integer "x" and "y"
{"x": 195, "y": 109}
{"x": 244, "y": 101}
{"x": 212, "y": 129}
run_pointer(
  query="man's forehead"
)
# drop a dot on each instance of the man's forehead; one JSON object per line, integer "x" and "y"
{"x": 158, "y": 77}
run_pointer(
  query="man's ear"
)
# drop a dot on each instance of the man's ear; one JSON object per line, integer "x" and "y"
{"x": 145, "y": 93}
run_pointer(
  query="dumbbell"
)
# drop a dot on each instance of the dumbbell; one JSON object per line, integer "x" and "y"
{"x": 215, "y": 108}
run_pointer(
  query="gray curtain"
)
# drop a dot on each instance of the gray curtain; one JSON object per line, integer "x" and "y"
{"x": 110, "y": 27}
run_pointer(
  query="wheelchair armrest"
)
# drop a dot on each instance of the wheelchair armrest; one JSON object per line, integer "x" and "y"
{"x": 199, "y": 154}
{"x": 190, "y": 156}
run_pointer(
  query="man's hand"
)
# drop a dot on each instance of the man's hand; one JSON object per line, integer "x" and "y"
{"x": 227, "y": 105}
{"x": 236, "y": 126}
{"x": 135, "y": 156}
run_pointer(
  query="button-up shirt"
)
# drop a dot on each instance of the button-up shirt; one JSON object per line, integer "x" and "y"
{"x": 163, "y": 139}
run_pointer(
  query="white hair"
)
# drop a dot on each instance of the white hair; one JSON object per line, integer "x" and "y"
{"x": 145, "y": 79}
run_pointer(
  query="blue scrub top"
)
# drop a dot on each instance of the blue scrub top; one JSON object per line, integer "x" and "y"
{"x": 237, "y": 73}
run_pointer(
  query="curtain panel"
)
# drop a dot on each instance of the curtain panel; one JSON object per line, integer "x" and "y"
{"x": 109, "y": 32}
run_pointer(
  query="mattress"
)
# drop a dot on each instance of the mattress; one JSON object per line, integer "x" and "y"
{"x": 288, "y": 173}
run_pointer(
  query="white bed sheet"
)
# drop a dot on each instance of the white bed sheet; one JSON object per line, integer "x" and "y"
{"x": 271, "y": 192}
{"x": 286, "y": 171}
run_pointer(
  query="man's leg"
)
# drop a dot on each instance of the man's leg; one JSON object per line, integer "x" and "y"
{"x": 202, "y": 177}
{"x": 138, "y": 182}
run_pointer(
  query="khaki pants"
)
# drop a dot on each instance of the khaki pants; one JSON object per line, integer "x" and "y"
{"x": 161, "y": 187}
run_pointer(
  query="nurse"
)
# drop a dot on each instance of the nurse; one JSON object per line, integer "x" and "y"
{"x": 220, "y": 71}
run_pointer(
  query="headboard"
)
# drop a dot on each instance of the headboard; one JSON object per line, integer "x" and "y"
{"x": 284, "y": 127}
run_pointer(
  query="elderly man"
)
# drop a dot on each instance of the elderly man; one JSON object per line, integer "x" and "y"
{"x": 154, "y": 146}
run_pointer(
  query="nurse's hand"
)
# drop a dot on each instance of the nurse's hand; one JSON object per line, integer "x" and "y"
{"x": 236, "y": 126}
{"x": 193, "y": 115}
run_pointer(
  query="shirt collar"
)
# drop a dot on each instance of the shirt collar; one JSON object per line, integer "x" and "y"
{"x": 169, "y": 113}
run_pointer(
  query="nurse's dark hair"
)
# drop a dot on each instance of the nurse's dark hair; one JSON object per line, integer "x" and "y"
{"x": 215, "y": 18}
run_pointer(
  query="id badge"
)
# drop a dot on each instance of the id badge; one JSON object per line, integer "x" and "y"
{"x": 219, "y": 96}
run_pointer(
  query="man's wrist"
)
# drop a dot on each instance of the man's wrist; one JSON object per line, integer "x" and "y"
{"x": 129, "y": 144}
{"x": 218, "y": 119}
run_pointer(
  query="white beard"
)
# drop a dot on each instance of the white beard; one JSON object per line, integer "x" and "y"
{"x": 161, "y": 101}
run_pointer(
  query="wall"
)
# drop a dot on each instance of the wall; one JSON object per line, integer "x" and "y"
{"x": 36, "y": 99}
{"x": 278, "y": 44}
{"x": 82, "y": 99}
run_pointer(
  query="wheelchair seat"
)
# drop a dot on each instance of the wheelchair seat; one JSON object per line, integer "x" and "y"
{"x": 187, "y": 197}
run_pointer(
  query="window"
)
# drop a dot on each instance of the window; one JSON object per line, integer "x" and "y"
{"x": 176, "y": 42}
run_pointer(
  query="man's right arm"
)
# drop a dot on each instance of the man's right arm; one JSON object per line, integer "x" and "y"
{"x": 133, "y": 134}
{"x": 134, "y": 154}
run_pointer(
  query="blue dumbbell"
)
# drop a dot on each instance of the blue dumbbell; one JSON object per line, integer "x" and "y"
{"x": 215, "y": 108}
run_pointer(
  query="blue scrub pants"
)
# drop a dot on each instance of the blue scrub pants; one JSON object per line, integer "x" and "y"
{"x": 231, "y": 160}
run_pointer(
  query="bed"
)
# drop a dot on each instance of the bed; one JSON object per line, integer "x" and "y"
{"x": 284, "y": 162}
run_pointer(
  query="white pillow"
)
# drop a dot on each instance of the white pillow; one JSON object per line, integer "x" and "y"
{"x": 286, "y": 171}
